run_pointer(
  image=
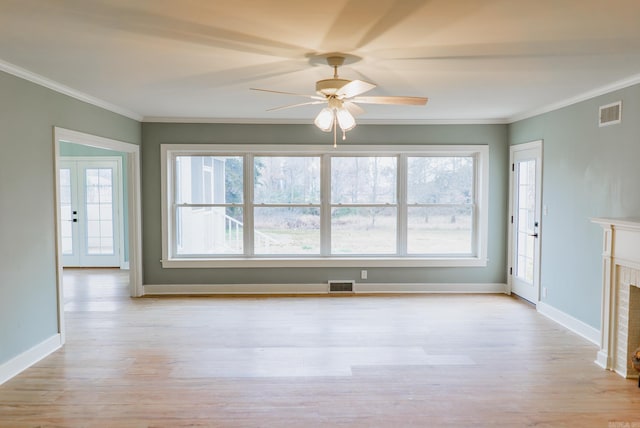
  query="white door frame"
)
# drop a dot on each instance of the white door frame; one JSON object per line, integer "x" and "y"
{"x": 533, "y": 145}
{"x": 133, "y": 214}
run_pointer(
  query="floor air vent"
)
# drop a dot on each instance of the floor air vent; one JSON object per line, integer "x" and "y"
{"x": 341, "y": 286}
{"x": 610, "y": 114}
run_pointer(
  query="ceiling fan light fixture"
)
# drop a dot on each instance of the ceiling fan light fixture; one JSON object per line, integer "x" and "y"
{"x": 345, "y": 119}
{"x": 342, "y": 97}
{"x": 324, "y": 119}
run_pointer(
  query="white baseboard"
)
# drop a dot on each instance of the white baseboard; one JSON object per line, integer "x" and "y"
{"x": 322, "y": 288}
{"x": 178, "y": 289}
{"x": 442, "y": 288}
{"x": 29, "y": 357}
{"x": 569, "y": 322}
{"x": 602, "y": 359}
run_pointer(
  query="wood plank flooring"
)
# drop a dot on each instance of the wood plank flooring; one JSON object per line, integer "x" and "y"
{"x": 366, "y": 361}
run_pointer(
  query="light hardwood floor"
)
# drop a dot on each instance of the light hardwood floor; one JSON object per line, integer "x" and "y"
{"x": 370, "y": 361}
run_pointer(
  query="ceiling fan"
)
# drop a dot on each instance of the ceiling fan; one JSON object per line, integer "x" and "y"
{"x": 342, "y": 97}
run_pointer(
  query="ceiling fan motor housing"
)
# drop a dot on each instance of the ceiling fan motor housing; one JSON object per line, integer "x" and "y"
{"x": 328, "y": 87}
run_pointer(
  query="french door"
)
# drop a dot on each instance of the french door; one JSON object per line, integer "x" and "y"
{"x": 90, "y": 212}
{"x": 525, "y": 231}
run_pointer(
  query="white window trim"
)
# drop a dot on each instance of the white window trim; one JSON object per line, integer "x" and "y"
{"x": 481, "y": 219}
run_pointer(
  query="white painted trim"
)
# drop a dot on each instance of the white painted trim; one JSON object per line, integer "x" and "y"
{"x": 66, "y": 90}
{"x": 318, "y": 149}
{"x": 575, "y": 325}
{"x": 58, "y": 237}
{"x": 135, "y": 208}
{"x": 269, "y": 121}
{"x": 77, "y": 137}
{"x": 21, "y": 362}
{"x": 134, "y": 190}
{"x": 432, "y": 288}
{"x": 602, "y": 359}
{"x": 327, "y": 262}
{"x": 323, "y": 288}
{"x": 603, "y": 90}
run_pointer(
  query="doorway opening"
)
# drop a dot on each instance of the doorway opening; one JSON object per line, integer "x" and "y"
{"x": 105, "y": 235}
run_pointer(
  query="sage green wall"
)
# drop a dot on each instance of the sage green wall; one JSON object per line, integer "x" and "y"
{"x": 28, "y": 113}
{"x": 588, "y": 172}
{"x": 78, "y": 150}
{"x": 154, "y": 134}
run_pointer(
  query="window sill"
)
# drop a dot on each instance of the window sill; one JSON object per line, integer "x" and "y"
{"x": 359, "y": 262}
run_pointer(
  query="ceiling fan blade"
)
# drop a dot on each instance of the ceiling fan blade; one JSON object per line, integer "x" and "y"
{"x": 415, "y": 101}
{"x": 353, "y": 108}
{"x": 354, "y": 88}
{"x": 314, "y": 97}
{"x": 296, "y": 105}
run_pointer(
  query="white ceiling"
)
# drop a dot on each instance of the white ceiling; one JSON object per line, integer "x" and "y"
{"x": 476, "y": 60}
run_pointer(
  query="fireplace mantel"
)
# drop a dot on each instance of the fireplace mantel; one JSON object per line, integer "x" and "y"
{"x": 620, "y": 279}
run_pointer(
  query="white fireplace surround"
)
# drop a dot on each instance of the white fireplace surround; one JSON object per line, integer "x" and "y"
{"x": 620, "y": 333}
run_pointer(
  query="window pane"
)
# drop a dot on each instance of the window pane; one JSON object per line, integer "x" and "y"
{"x": 287, "y": 230}
{"x": 106, "y": 245}
{"x": 287, "y": 180}
{"x": 65, "y": 177}
{"x": 440, "y": 180}
{"x": 105, "y": 176}
{"x": 93, "y": 228}
{"x": 363, "y": 180}
{"x": 439, "y": 230}
{"x": 106, "y": 211}
{"x": 92, "y": 177}
{"x": 105, "y": 194}
{"x": 106, "y": 229}
{"x": 93, "y": 245}
{"x": 363, "y": 230}
{"x": 93, "y": 194}
{"x": 65, "y": 195}
{"x": 210, "y": 230}
{"x": 208, "y": 180}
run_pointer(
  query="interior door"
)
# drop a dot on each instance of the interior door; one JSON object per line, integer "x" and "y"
{"x": 90, "y": 212}
{"x": 525, "y": 231}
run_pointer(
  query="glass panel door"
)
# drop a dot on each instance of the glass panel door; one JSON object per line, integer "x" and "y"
{"x": 90, "y": 212}
{"x": 525, "y": 201}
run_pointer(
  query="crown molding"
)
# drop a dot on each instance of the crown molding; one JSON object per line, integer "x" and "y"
{"x": 262, "y": 121}
{"x": 66, "y": 90}
{"x": 603, "y": 90}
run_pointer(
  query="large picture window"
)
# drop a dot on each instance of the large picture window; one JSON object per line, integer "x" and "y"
{"x": 318, "y": 206}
